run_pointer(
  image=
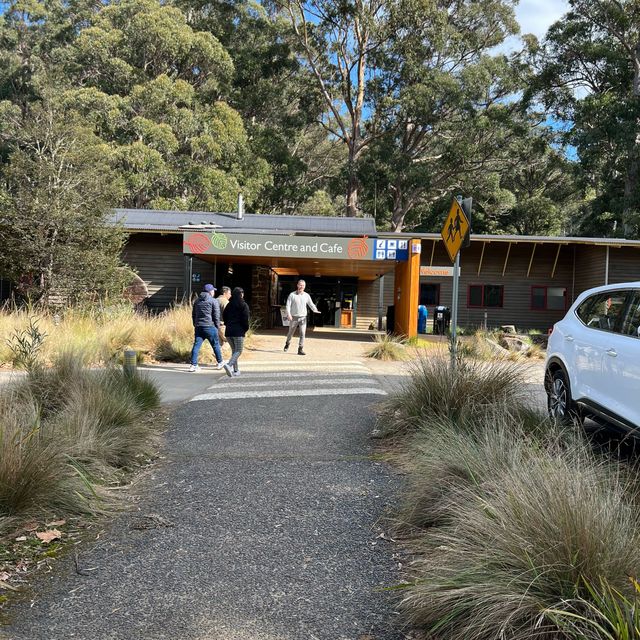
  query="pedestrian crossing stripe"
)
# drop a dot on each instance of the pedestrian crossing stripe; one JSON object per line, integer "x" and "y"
{"x": 310, "y": 367}
{"x": 281, "y": 393}
{"x": 250, "y": 381}
{"x": 300, "y": 362}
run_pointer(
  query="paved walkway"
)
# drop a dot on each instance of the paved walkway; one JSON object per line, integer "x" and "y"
{"x": 264, "y": 521}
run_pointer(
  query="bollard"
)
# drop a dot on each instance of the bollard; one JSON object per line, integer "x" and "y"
{"x": 130, "y": 361}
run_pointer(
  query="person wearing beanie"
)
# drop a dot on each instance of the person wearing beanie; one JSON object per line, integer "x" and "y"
{"x": 206, "y": 324}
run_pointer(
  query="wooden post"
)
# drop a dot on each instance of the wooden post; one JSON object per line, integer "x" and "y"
{"x": 407, "y": 292}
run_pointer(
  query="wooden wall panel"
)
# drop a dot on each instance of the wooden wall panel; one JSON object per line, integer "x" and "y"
{"x": 159, "y": 261}
{"x": 624, "y": 265}
{"x": 368, "y": 298}
{"x": 589, "y": 267}
{"x": 517, "y": 284}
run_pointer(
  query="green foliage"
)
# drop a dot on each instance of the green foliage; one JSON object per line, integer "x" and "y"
{"x": 58, "y": 188}
{"x": 589, "y": 74}
{"x": 604, "y": 614}
{"x": 189, "y": 103}
{"x": 442, "y": 96}
{"x": 26, "y": 345}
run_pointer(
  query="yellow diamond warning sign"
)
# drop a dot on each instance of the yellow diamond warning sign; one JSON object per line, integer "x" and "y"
{"x": 455, "y": 229}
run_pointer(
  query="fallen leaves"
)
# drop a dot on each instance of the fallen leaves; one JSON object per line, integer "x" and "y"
{"x": 56, "y": 523}
{"x": 49, "y": 535}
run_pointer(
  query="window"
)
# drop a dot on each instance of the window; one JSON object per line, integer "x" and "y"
{"x": 548, "y": 298}
{"x": 631, "y": 324}
{"x": 485, "y": 295}
{"x": 430, "y": 294}
{"x": 603, "y": 310}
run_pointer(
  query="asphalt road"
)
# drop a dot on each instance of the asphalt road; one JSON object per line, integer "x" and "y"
{"x": 262, "y": 522}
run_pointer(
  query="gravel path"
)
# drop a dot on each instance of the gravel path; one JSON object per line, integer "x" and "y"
{"x": 267, "y": 524}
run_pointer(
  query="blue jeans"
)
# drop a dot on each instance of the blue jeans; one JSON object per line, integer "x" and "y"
{"x": 202, "y": 334}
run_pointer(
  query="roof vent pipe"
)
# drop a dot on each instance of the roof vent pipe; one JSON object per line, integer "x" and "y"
{"x": 240, "y": 214}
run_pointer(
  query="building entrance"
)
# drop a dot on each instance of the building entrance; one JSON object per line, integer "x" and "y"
{"x": 336, "y": 298}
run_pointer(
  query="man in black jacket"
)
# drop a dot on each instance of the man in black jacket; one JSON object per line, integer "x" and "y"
{"x": 206, "y": 323}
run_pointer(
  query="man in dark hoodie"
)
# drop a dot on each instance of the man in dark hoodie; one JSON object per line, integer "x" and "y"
{"x": 206, "y": 322}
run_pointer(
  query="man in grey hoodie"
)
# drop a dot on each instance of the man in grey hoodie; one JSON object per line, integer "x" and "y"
{"x": 206, "y": 323}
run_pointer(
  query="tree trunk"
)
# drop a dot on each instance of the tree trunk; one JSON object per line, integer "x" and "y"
{"x": 352, "y": 186}
{"x": 631, "y": 212}
{"x": 399, "y": 210}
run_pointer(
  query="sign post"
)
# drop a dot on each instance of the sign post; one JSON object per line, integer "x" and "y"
{"x": 455, "y": 234}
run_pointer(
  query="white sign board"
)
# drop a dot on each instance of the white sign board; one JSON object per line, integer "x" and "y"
{"x": 437, "y": 272}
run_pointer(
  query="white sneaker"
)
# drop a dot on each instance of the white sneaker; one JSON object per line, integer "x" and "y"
{"x": 194, "y": 367}
{"x": 228, "y": 370}
{"x": 236, "y": 373}
{"x": 220, "y": 365}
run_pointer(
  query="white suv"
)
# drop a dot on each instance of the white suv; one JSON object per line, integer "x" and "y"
{"x": 593, "y": 358}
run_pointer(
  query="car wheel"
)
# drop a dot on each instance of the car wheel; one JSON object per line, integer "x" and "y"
{"x": 559, "y": 402}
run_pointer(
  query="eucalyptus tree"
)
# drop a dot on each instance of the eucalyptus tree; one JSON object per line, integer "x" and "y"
{"x": 535, "y": 193}
{"x": 56, "y": 193}
{"x": 589, "y": 67}
{"x": 337, "y": 41}
{"x": 453, "y": 102}
{"x": 155, "y": 89}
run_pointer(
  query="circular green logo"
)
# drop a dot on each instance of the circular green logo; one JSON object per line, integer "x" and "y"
{"x": 219, "y": 240}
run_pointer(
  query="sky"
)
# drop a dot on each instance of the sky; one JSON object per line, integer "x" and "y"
{"x": 536, "y": 16}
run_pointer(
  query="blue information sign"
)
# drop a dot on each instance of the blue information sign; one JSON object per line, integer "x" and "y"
{"x": 391, "y": 249}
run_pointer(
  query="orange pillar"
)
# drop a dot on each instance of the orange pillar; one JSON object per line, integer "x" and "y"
{"x": 407, "y": 292}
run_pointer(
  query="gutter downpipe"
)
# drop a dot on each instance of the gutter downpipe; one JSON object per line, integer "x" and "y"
{"x": 380, "y": 301}
{"x": 606, "y": 268}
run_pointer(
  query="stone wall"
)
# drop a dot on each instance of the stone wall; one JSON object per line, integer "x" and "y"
{"x": 263, "y": 285}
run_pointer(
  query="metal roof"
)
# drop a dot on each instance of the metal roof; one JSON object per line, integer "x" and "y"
{"x": 178, "y": 221}
{"x": 163, "y": 221}
{"x": 476, "y": 237}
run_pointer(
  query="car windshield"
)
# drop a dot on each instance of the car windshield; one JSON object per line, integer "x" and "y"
{"x": 631, "y": 324}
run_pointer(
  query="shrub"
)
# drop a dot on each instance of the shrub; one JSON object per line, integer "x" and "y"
{"x": 386, "y": 347}
{"x": 523, "y": 544}
{"x": 26, "y": 344}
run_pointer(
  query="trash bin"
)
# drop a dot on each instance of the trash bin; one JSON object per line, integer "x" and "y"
{"x": 441, "y": 320}
{"x": 422, "y": 318}
{"x": 391, "y": 319}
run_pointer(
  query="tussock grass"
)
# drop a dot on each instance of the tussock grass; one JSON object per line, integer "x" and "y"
{"x": 386, "y": 347}
{"x": 67, "y": 433}
{"x": 519, "y": 529}
{"x": 35, "y": 472}
{"x": 446, "y": 455}
{"x": 524, "y": 544}
{"x": 101, "y": 335}
{"x": 436, "y": 390}
{"x": 102, "y": 420}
